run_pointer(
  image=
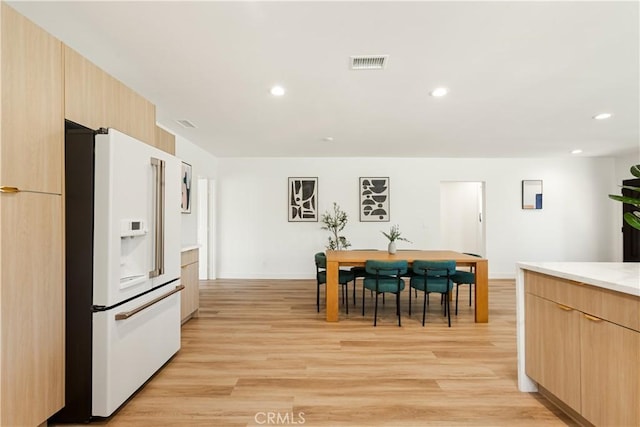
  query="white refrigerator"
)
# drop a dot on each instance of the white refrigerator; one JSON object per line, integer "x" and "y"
{"x": 122, "y": 266}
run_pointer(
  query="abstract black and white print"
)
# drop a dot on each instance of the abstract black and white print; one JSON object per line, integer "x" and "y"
{"x": 374, "y": 199}
{"x": 303, "y": 199}
{"x": 185, "y": 182}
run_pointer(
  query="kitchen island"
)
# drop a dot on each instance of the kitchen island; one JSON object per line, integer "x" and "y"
{"x": 578, "y": 338}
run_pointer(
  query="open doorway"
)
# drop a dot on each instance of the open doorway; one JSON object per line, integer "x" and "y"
{"x": 462, "y": 216}
{"x": 206, "y": 230}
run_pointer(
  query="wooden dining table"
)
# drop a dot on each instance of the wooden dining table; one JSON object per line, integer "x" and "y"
{"x": 337, "y": 259}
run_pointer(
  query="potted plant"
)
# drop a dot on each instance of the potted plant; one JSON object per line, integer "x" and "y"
{"x": 393, "y": 235}
{"x": 335, "y": 222}
{"x": 631, "y": 218}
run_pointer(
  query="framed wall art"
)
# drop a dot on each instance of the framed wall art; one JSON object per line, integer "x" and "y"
{"x": 532, "y": 194}
{"x": 185, "y": 184}
{"x": 374, "y": 199}
{"x": 302, "y": 199}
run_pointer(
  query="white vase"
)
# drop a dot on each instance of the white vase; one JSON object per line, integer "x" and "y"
{"x": 392, "y": 247}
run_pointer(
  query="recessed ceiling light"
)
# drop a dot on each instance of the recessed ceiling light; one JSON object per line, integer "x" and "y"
{"x": 576, "y": 151}
{"x": 277, "y": 91}
{"x": 328, "y": 139}
{"x": 439, "y": 91}
{"x": 602, "y": 116}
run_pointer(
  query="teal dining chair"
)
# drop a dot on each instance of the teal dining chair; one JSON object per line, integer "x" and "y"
{"x": 384, "y": 277}
{"x": 433, "y": 276}
{"x": 344, "y": 277}
{"x": 463, "y": 277}
{"x": 358, "y": 272}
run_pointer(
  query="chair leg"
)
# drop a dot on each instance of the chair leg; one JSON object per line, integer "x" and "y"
{"x": 457, "y": 287}
{"x": 354, "y": 291}
{"x": 470, "y": 285}
{"x": 410, "y": 300}
{"x": 363, "y": 298}
{"x": 424, "y": 308}
{"x": 345, "y": 296}
{"x": 375, "y": 315}
{"x": 448, "y": 304}
{"x": 444, "y": 304}
{"x": 398, "y": 307}
{"x": 318, "y": 298}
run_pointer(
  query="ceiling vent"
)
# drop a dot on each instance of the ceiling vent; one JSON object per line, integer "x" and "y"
{"x": 369, "y": 62}
{"x": 186, "y": 124}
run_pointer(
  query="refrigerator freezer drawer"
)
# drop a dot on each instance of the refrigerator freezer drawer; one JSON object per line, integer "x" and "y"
{"x": 128, "y": 351}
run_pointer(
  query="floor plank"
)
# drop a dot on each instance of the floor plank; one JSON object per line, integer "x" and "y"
{"x": 259, "y": 349}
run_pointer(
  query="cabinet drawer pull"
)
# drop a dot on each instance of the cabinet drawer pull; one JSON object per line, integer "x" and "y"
{"x": 592, "y": 318}
{"x": 564, "y": 307}
{"x": 6, "y": 189}
{"x": 12, "y": 190}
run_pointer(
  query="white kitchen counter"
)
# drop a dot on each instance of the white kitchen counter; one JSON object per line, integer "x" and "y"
{"x": 615, "y": 276}
{"x": 189, "y": 248}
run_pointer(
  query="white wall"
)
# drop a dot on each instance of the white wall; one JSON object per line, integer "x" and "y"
{"x": 204, "y": 165}
{"x": 256, "y": 241}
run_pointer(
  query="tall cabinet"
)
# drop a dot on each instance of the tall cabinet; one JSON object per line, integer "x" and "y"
{"x": 31, "y": 222}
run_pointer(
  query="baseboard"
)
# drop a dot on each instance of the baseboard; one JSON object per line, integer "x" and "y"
{"x": 564, "y": 407}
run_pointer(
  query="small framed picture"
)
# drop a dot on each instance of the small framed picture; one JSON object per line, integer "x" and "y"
{"x": 302, "y": 199}
{"x": 374, "y": 199}
{"x": 532, "y": 194}
{"x": 186, "y": 188}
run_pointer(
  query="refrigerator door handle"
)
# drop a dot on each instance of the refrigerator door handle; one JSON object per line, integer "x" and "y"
{"x": 159, "y": 185}
{"x": 127, "y": 314}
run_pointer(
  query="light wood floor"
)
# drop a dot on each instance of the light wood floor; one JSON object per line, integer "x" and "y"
{"x": 259, "y": 347}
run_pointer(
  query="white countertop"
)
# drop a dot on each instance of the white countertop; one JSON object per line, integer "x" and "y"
{"x": 189, "y": 248}
{"x": 617, "y": 276}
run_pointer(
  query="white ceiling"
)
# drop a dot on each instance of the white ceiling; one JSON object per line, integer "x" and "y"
{"x": 525, "y": 78}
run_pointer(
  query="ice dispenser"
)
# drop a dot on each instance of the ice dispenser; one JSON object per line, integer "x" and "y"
{"x": 133, "y": 253}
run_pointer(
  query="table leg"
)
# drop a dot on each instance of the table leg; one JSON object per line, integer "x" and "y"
{"x": 331, "y": 292}
{"x": 482, "y": 292}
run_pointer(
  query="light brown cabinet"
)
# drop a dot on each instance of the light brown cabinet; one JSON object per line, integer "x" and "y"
{"x": 32, "y": 106}
{"x": 553, "y": 348}
{"x": 165, "y": 141}
{"x": 582, "y": 346}
{"x": 190, "y": 297}
{"x": 610, "y": 360}
{"x": 31, "y": 223}
{"x": 32, "y": 308}
{"x": 95, "y": 99}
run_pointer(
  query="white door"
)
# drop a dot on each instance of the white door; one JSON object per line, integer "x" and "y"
{"x": 203, "y": 228}
{"x": 462, "y": 216}
{"x": 206, "y": 228}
